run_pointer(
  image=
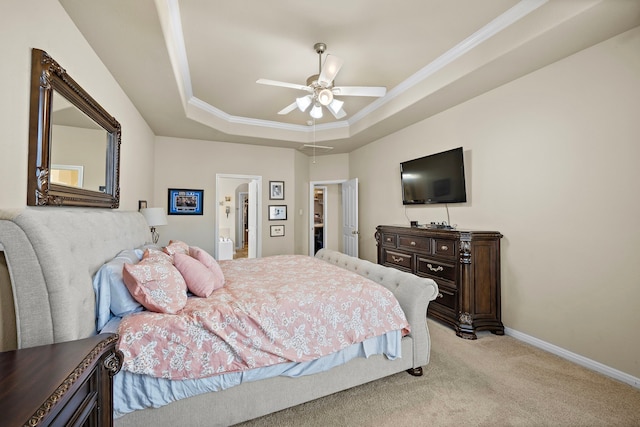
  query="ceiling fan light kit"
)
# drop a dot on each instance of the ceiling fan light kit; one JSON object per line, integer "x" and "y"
{"x": 336, "y": 108}
{"x": 321, "y": 88}
{"x": 325, "y": 96}
{"x": 316, "y": 111}
{"x": 303, "y": 102}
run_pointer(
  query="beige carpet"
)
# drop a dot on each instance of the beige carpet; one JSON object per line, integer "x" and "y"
{"x": 492, "y": 381}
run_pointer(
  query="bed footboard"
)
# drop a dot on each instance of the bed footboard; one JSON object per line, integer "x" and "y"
{"x": 412, "y": 292}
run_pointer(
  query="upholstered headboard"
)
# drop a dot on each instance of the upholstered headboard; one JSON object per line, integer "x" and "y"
{"x": 50, "y": 257}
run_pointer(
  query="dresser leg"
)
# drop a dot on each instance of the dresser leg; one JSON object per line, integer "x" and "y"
{"x": 467, "y": 335}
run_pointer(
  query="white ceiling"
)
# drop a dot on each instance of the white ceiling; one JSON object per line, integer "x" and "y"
{"x": 190, "y": 66}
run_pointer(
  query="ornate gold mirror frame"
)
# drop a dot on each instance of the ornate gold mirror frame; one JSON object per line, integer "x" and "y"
{"x": 49, "y": 80}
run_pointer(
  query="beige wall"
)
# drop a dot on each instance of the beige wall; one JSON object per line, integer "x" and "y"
{"x": 333, "y": 220}
{"x": 329, "y": 168}
{"x": 193, "y": 164}
{"x": 552, "y": 163}
{"x": 45, "y": 25}
{"x": 301, "y": 210}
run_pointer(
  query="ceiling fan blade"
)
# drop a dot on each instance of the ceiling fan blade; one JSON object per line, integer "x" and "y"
{"x": 360, "y": 91}
{"x": 289, "y": 108}
{"x": 283, "y": 84}
{"x": 332, "y": 65}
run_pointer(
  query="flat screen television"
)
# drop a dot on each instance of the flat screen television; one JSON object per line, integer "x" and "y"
{"x": 438, "y": 178}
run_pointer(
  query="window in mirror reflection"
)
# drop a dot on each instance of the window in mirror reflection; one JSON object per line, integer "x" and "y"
{"x": 71, "y": 175}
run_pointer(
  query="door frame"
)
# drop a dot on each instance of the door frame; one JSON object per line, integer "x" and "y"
{"x": 258, "y": 178}
{"x": 312, "y": 185}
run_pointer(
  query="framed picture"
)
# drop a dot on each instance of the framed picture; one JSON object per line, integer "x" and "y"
{"x": 185, "y": 202}
{"x": 277, "y": 212}
{"x": 142, "y": 204}
{"x": 276, "y": 190}
{"x": 277, "y": 230}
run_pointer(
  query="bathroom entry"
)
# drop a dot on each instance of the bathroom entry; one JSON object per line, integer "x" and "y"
{"x": 237, "y": 228}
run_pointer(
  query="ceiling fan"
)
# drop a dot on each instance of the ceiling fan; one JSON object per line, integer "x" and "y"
{"x": 321, "y": 89}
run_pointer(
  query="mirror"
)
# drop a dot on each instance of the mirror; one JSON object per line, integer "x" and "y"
{"x": 74, "y": 144}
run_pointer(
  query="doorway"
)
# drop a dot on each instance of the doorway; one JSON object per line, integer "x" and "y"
{"x": 337, "y": 227}
{"x": 237, "y": 226}
{"x": 319, "y": 217}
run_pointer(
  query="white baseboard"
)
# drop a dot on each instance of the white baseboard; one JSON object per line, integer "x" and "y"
{"x": 576, "y": 358}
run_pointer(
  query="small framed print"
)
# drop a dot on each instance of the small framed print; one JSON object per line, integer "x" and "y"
{"x": 142, "y": 204}
{"x": 277, "y": 230}
{"x": 185, "y": 202}
{"x": 276, "y": 190}
{"x": 277, "y": 212}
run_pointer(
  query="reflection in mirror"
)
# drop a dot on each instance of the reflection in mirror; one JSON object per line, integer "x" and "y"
{"x": 74, "y": 144}
{"x": 71, "y": 175}
{"x": 78, "y": 147}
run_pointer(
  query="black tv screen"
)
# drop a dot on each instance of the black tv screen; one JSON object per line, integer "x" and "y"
{"x": 438, "y": 178}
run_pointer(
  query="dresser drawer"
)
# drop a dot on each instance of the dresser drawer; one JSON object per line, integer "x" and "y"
{"x": 433, "y": 268}
{"x": 389, "y": 239}
{"x": 447, "y": 297}
{"x": 445, "y": 248}
{"x": 397, "y": 259}
{"x": 413, "y": 243}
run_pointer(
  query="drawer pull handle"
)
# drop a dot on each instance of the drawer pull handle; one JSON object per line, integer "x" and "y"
{"x": 444, "y": 247}
{"x": 397, "y": 259}
{"x": 413, "y": 243}
{"x": 388, "y": 239}
{"x": 440, "y": 295}
{"x": 438, "y": 268}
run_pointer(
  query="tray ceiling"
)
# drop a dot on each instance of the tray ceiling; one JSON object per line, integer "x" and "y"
{"x": 190, "y": 66}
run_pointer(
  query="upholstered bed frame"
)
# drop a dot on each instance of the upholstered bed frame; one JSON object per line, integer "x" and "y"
{"x": 48, "y": 257}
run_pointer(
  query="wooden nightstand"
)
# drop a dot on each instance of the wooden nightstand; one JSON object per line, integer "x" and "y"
{"x": 67, "y": 383}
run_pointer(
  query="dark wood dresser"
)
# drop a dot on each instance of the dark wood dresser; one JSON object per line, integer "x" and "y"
{"x": 464, "y": 264}
{"x": 64, "y": 384}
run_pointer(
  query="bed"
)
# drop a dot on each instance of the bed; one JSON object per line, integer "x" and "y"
{"x": 51, "y": 255}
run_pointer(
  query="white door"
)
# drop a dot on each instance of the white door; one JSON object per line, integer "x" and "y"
{"x": 350, "y": 217}
{"x": 253, "y": 219}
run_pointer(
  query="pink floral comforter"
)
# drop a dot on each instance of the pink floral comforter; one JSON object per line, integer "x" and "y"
{"x": 271, "y": 310}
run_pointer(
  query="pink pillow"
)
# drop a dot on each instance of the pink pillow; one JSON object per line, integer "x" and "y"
{"x": 200, "y": 280}
{"x": 157, "y": 285}
{"x": 156, "y": 255}
{"x": 209, "y": 262}
{"x": 176, "y": 247}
